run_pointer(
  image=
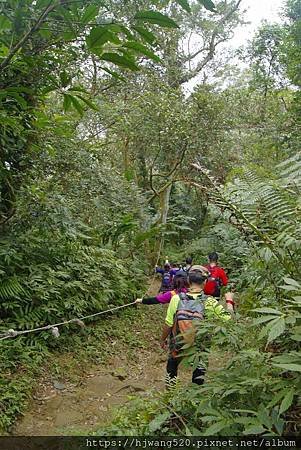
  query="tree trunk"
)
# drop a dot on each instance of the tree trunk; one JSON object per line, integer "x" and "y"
{"x": 164, "y": 205}
{"x": 162, "y": 220}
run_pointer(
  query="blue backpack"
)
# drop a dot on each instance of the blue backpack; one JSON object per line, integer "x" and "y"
{"x": 166, "y": 281}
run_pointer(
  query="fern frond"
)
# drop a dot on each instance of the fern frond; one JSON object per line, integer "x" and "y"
{"x": 290, "y": 171}
{"x": 10, "y": 288}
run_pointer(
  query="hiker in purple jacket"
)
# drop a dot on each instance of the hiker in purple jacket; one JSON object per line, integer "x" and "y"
{"x": 179, "y": 284}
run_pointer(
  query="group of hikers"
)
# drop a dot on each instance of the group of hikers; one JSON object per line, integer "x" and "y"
{"x": 192, "y": 292}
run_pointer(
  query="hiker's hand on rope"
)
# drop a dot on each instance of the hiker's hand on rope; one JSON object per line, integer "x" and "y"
{"x": 138, "y": 300}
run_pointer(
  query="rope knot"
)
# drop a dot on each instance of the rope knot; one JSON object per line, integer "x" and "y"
{"x": 79, "y": 322}
{"x": 55, "y": 332}
{"x": 12, "y": 333}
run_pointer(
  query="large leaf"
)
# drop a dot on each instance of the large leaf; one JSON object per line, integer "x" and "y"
{"x": 88, "y": 102}
{"x": 287, "y": 358}
{"x": 147, "y": 35}
{"x": 292, "y": 282}
{"x": 277, "y": 329}
{"x": 265, "y": 330}
{"x": 287, "y": 401}
{"x": 263, "y": 319}
{"x": 76, "y": 104}
{"x": 254, "y": 429}
{"x": 90, "y": 13}
{"x": 5, "y": 24}
{"x": 216, "y": 428}
{"x": 67, "y": 102}
{"x": 208, "y": 4}
{"x": 157, "y": 18}
{"x": 276, "y": 398}
{"x": 185, "y": 5}
{"x": 158, "y": 421}
{"x": 99, "y": 36}
{"x": 267, "y": 311}
{"x": 142, "y": 49}
{"x": 289, "y": 367}
{"x": 119, "y": 60}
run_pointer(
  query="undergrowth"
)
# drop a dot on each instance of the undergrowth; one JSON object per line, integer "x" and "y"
{"x": 250, "y": 388}
{"x": 69, "y": 357}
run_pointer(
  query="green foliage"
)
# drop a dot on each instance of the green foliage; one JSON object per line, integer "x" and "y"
{"x": 44, "y": 48}
{"x": 157, "y": 18}
{"x": 96, "y": 175}
{"x": 251, "y": 392}
{"x": 291, "y": 46}
{"x": 208, "y": 4}
{"x": 69, "y": 250}
{"x": 254, "y": 391}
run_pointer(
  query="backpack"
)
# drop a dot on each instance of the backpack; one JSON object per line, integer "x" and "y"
{"x": 189, "y": 309}
{"x": 166, "y": 281}
{"x": 212, "y": 285}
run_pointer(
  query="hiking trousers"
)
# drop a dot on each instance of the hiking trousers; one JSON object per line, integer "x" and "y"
{"x": 172, "y": 371}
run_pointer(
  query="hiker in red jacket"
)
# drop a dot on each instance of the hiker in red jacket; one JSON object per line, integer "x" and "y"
{"x": 217, "y": 278}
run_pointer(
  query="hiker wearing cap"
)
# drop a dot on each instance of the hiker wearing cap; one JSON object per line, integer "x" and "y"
{"x": 184, "y": 312}
{"x": 217, "y": 277}
{"x": 179, "y": 284}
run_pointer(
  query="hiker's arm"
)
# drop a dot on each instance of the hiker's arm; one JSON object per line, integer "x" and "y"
{"x": 165, "y": 297}
{"x": 167, "y": 327}
{"x": 165, "y": 333}
{"x": 150, "y": 301}
{"x": 230, "y": 301}
{"x": 159, "y": 299}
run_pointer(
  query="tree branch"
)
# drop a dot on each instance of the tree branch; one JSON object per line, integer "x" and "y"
{"x": 211, "y": 48}
{"x": 26, "y": 36}
{"x": 176, "y": 165}
{"x": 168, "y": 175}
{"x": 161, "y": 190}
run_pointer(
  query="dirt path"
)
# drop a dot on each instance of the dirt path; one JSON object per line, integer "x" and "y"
{"x": 61, "y": 407}
{"x": 133, "y": 366}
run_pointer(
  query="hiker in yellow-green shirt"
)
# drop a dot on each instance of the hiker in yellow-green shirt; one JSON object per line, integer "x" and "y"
{"x": 184, "y": 312}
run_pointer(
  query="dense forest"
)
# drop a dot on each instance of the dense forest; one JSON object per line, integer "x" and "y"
{"x": 110, "y": 160}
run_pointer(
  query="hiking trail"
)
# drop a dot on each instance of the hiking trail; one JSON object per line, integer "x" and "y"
{"x": 134, "y": 366}
{"x": 60, "y": 406}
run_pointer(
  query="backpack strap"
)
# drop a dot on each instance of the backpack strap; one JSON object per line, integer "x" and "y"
{"x": 188, "y": 315}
